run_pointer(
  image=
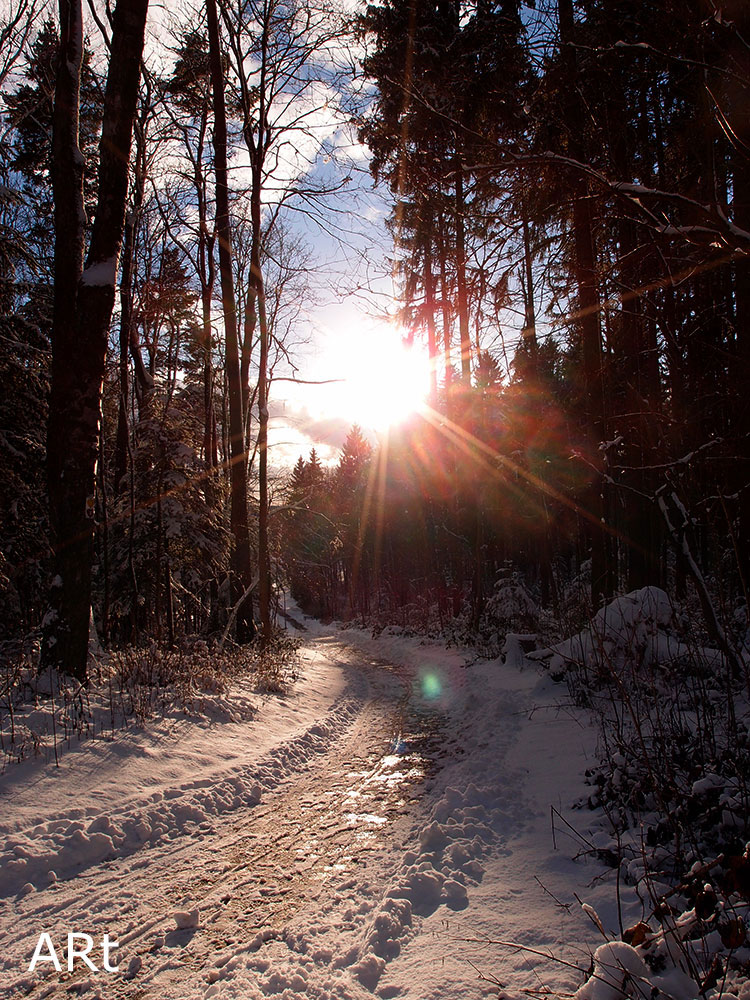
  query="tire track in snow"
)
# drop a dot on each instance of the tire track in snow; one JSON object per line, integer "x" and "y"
{"x": 69, "y": 847}
{"x": 290, "y": 841}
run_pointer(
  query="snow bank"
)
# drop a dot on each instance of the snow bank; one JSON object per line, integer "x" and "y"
{"x": 639, "y": 627}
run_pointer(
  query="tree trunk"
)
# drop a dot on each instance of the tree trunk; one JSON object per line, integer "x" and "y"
{"x": 238, "y": 453}
{"x": 528, "y": 333}
{"x": 207, "y": 277}
{"x": 127, "y": 333}
{"x": 637, "y": 361}
{"x": 126, "y": 302}
{"x": 82, "y": 314}
{"x": 264, "y": 561}
{"x": 429, "y": 301}
{"x": 739, "y": 88}
{"x": 255, "y": 104}
{"x": 445, "y": 302}
{"x": 602, "y": 584}
{"x": 63, "y": 643}
{"x": 463, "y": 298}
{"x": 210, "y": 446}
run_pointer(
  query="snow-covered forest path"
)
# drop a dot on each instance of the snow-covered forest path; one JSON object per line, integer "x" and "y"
{"x": 344, "y": 842}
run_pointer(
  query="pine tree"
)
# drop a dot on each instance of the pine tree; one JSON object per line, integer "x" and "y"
{"x": 355, "y": 458}
{"x": 30, "y": 113}
{"x": 451, "y": 84}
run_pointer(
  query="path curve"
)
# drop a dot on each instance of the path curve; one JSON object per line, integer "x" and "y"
{"x": 287, "y": 832}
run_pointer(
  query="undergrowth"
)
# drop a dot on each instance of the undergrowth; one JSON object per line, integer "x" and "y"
{"x": 42, "y": 713}
{"x": 673, "y": 788}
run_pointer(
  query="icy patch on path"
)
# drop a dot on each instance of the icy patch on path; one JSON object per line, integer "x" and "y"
{"x": 416, "y": 922}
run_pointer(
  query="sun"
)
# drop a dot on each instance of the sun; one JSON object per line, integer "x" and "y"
{"x": 385, "y": 380}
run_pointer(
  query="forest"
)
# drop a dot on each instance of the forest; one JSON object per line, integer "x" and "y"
{"x": 565, "y": 240}
{"x": 569, "y": 241}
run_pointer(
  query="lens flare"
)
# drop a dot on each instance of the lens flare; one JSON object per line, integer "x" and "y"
{"x": 431, "y": 687}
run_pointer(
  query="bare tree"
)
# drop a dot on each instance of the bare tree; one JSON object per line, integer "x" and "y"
{"x": 238, "y": 450}
{"x": 185, "y": 201}
{"x": 275, "y": 50}
{"x": 15, "y": 29}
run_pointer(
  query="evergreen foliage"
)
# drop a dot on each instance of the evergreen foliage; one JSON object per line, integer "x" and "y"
{"x": 570, "y": 211}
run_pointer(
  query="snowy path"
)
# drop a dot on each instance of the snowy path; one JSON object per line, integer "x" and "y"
{"x": 345, "y": 842}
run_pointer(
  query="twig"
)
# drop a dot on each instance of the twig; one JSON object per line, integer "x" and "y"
{"x": 543, "y": 887}
{"x": 586, "y": 843}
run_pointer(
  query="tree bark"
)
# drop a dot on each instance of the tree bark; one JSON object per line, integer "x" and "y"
{"x": 238, "y": 452}
{"x": 82, "y": 314}
{"x": 445, "y": 302}
{"x": 463, "y": 298}
{"x": 528, "y": 334}
{"x": 259, "y": 305}
{"x": 128, "y": 340}
{"x": 429, "y": 302}
{"x": 264, "y": 559}
{"x": 126, "y": 303}
{"x": 255, "y": 102}
{"x": 738, "y": 61}
{"x": 585, "y": 273}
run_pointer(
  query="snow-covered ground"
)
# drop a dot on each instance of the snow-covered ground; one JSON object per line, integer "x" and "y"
{"x": 396, "y": 826}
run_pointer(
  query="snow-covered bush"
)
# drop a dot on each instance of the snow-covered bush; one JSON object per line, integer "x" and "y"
{"x": 510, "y": 608}
{"x": 672, "y": 789}
{"x": 511, "y": 605}
{"x": 636, "y": 630}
